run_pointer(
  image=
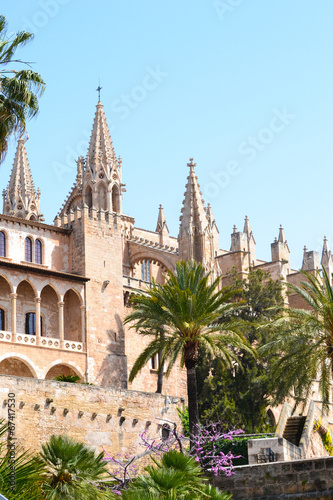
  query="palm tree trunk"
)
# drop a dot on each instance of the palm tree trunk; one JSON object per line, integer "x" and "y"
{"x": 160, "y": 375}
{"x": 192, "y": 394}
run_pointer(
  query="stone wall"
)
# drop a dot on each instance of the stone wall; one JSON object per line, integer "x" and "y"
{"x": 300, "y": 479}
{"x": 45, "y": 407}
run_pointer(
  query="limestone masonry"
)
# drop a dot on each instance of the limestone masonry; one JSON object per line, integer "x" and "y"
{"x": 64, "y": 288}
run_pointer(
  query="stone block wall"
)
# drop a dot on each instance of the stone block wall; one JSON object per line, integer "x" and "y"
{"x": 300, "y": 479}
{"x": 45, "y": 407}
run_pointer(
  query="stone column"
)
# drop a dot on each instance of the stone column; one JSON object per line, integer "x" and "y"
{"x": 83, "y": 326}
{"x": 61, "y": 323}
{"x": 13, "y": 297}
{"x": 37, "y": 312}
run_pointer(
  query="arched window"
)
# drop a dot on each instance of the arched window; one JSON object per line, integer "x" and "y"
{"x": 88, "y": 197}
{"x": 145, "y": 270}
{"x": 2, "y": 244}
{"x": 30, "y": 324}
{"x": 28, "y": 250}
{"x": 2, "y": 319}
{"x": 115, "y": 199}
{"x": 38, "y": 252}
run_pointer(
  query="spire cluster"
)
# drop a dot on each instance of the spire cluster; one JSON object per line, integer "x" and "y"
{"x": 21, "y": 198}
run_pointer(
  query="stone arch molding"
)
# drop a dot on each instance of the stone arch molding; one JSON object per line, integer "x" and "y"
{"x": 37, "y": 373}
{"x": 146, "y": 254}
{"x": 5, "y": 277}
{"x": 71, "y": 365}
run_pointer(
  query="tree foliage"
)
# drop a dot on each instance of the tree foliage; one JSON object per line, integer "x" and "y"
{"x": 240, "y": 396}
{"x": 19, "y": 89}
{"x": 193, "y": 312}
{"x": 174, "y": 477}
{"x": 305, "y": 339}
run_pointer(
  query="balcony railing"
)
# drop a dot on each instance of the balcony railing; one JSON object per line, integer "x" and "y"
{"x": 49, "y": 342}
{"x": 135, "y": 283}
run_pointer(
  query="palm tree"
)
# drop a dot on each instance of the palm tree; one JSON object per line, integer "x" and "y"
{"x": 175, "y": 477}
{"x": 190, "y": 308}
{"x": 19, "y": 89}
{"x": 74, "y": 471}
{"x": 21, "y": 475}
{"x": 305, "y": 337}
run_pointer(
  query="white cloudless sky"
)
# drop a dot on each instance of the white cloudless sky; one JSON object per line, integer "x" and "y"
{"x": 245, "y": 87}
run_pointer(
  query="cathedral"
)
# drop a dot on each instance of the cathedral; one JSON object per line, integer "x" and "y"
{"x": 65, "y": 288}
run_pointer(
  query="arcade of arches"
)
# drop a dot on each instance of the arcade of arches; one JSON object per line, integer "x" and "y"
{"x": 26, "y": 313}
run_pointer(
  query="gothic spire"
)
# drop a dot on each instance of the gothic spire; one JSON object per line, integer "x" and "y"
{"x": 21, "y": 198}
{"x": 281, "y": 238}
{"x": 101, "y": 157}
{"x": 327, "y": 259}
{"x": 194, "y": 215}
{"x": 247, "y": 227}
{"x": 326, "y": 250}
{"x": 161, "y": 221}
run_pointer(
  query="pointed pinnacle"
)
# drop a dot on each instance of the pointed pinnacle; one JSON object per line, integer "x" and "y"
{"x": 282, "y": 238}
{"x": 247, "y": 227}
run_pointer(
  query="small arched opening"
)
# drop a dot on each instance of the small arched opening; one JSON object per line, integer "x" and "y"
{"x": 38, "y": 252}
{"x": 88, "y": 197}
{"x": 25, "y": 304}
{"x": 49, "y": 311}
{"x": 72, "y": 316}
{"x": 115, "y": 199}
{"x": 5, "y": 303}
{"x": 28, "y": 250}
{"x": 2, "y": 244}
{"x": 101, "y": 193}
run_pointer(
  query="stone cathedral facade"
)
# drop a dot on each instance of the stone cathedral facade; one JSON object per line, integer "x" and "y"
{"x": 64, "y": 288}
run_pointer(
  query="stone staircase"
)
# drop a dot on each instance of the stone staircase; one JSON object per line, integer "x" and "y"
{"x": 293, "y": 429}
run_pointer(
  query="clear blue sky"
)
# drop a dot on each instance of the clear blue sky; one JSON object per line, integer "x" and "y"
{"x": 245, "y": 87}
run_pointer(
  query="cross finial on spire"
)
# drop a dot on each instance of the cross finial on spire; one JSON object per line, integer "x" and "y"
{"x": 99, "y": 88}
{"x": 191, "y": 163}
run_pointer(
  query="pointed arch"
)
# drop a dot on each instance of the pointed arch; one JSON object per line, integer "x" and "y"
{"x": 50, "y": 311}
{"x": 72, "y": 316}
{"x": 28, "y": 249}
{"x": 115, "y": 198}
{"x": 88, "y": 197}
{"x": 102, "y": 196}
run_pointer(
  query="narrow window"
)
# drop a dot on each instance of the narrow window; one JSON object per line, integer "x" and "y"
{"x": 28, "y": 250}
{"x": 2, "y": 319}
{"x": 145, "y": 270}
{"x": 30, "y": 324}
{"x": 38, "y": 252}
{"x": 2, "y": 244}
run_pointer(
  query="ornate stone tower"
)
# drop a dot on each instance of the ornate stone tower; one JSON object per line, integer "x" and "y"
{"x": 93, "y": 213}
{"x": 102, "y": 186}
{"x": 21, "y": 199}
{"x": 198, "y": 233}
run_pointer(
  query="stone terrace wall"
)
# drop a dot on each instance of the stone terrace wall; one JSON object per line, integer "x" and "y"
{"x": 35, "y": 424}
{"x": 300, "y": 479}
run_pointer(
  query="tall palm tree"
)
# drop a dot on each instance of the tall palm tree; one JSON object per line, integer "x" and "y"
{"x": 189, "y": 307}
{"x": 305, "y": 339}
{"x": 19, "y": 89}
{"x": 73, "y": 471}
